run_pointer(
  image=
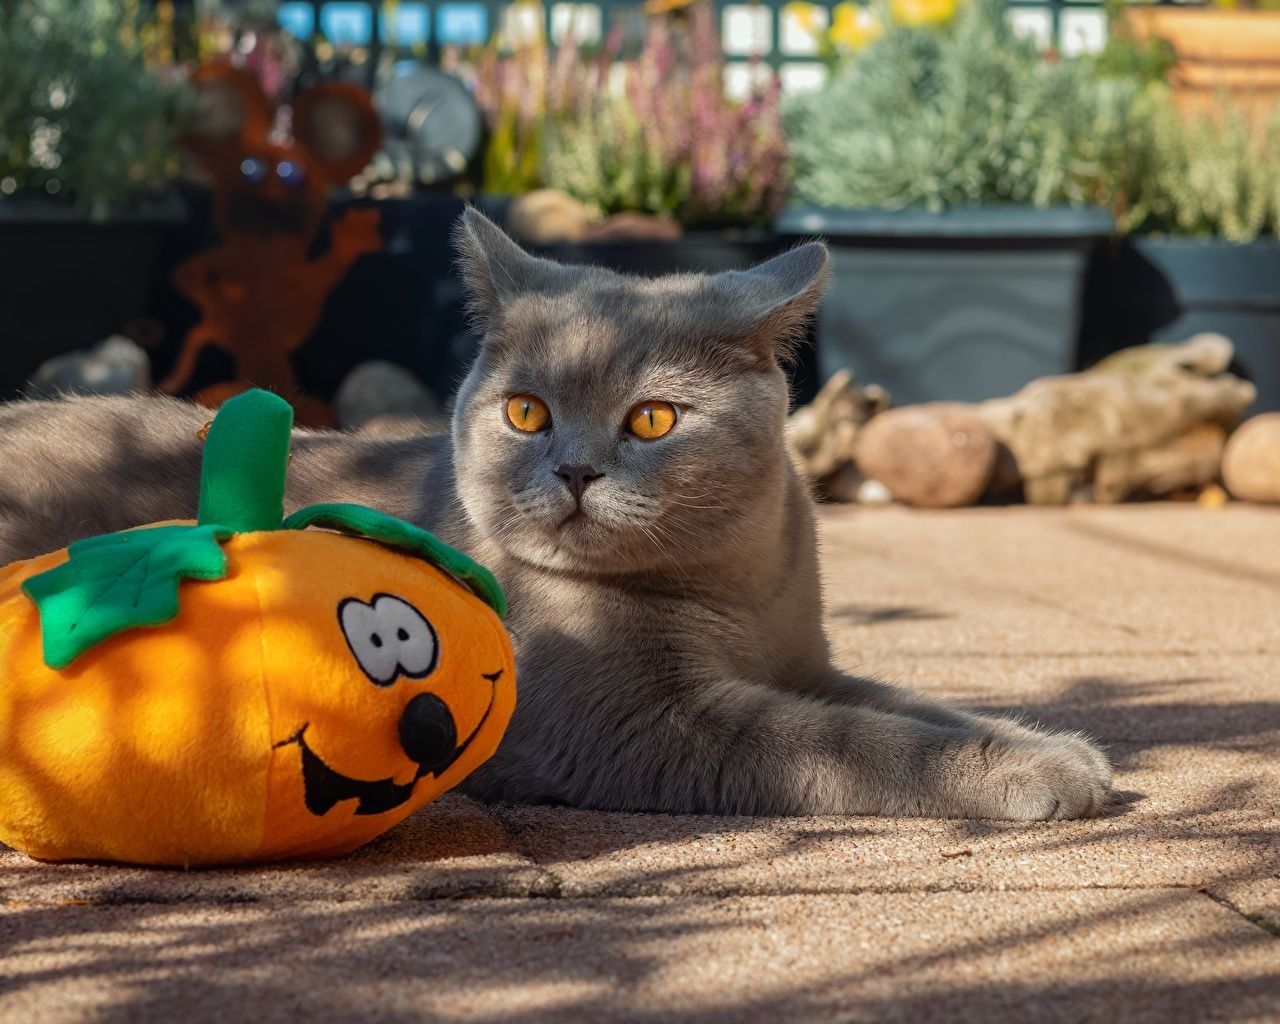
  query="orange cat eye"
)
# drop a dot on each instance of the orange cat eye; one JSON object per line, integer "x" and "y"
{"x": 528, "y": 413}
{"x": 651, "y": 420}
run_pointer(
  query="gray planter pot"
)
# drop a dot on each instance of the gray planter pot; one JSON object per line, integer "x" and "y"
{"x": 1228, "y": 288}
{"x": 962, "y": 305}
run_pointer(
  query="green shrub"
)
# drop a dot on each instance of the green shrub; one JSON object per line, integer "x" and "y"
{"x": 605, "y": 159}
{"x": 965, "y": 115}
{"x": 1212, "y": 175}
{"x": 81, "y": 115}
{"x": 660, "y": 138}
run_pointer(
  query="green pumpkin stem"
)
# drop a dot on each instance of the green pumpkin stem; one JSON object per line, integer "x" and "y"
{"x": 246, "y": 455}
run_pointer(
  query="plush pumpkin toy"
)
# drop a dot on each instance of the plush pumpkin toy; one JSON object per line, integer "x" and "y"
{"x": 245, "y": 687}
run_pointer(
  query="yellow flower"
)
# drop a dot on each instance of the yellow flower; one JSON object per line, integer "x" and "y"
{"x": 854, "y": 27}
{"x": 915, "y": 13}
{"x": 805, "y": 15}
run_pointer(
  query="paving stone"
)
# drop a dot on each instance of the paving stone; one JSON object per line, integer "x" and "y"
{"x": 1258, "y": 899}
{"x": 1153, "y": 956}
{"x": 1194, "y": 817}
{"x": 1209, "y": 698}
{"x": 1154, "y": 578}
{"x": 453, "y": 847}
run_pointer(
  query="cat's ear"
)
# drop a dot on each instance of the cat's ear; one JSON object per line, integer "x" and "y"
{"x": 494, "y": 269}
{"x": 769, "y": 306}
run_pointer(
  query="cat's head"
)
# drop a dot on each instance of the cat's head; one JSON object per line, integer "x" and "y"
{"x": 615, "y": 424}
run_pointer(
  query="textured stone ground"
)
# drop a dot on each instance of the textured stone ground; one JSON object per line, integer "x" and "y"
{"x": 1156, "y": 628}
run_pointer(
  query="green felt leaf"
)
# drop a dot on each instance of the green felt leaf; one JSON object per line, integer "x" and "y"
{"x": 396, "y": 533}
{"x": 119, "y": 581}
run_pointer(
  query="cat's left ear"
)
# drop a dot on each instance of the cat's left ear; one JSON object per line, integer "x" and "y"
{"x": 494, "y": 269}
{"x": 769, "y": 306}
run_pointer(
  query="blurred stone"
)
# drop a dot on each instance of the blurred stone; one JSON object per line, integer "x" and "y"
{"x": 1213, "y": 496}
{"x": 873, "y": 492}
{"x": 547, "y": 216}
{"x": 1190, "y": 461}
{"x": 378, "y": 388}
{"x": 1251, "y": 463}
{"x": 113, "y": 367}
{"x": 822, "y": 434}
{"x": 635, "y": 227}
{"x": 1146, "y": 419}
{"x": 935, "y": 455}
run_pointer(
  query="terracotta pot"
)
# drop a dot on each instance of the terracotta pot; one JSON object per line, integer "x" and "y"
{"x": 1233, "y": 51}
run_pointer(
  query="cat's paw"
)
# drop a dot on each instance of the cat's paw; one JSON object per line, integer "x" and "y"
{"x": 1039, "y": 776}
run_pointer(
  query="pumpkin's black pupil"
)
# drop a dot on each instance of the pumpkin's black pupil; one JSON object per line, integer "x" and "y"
{"x": 375, "y": 640}
{"x": 402, "y": 634}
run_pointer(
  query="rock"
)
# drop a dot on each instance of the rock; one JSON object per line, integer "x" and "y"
{"x": 379, "y": 388}
{"x": 1062, "y": 432}
{"x": 936, "y": 455}
{"x": 113, "y": 367}
{"x": 631, "y": 227}
{"x": 822, "y": 433}
{"x": 873, "y": 492}
{"x": 1251, "y": 462}
{"x": 1188, "y": 461}
{"x": 1212, "y": 496}
{"x": 547, "y": 216}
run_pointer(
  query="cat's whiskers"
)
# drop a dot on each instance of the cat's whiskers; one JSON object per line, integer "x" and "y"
{"x": 719, "y": 507}
{"x": 505, "y": 529}
{"x": 683, "y": 578}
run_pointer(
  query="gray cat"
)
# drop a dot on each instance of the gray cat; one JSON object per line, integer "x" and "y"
{"x": 618, "y": 461}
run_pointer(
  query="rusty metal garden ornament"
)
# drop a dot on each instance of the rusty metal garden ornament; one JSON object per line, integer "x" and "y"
{"x": 261, "y": 290}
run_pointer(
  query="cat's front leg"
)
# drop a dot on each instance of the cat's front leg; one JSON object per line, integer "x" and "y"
{"x": 844, "y": 689}
{"x": 728, "y": 747}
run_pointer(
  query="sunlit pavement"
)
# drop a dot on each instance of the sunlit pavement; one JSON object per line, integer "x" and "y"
{"x": 1154, "y": 628}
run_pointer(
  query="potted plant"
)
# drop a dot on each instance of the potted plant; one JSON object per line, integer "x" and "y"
{"x": 1204, "y": 254}
{"x": 86, "y": 157}
{"x": 653, "y": 135}
{"x": 962, "y": 179}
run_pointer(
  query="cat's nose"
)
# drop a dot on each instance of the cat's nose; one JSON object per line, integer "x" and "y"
{"x": 576, "y": 478}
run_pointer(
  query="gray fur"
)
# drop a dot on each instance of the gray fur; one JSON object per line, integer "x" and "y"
{"x": 670, "y": 648}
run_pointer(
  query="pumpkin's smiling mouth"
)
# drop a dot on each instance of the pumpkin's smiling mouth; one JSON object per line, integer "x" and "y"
{"x": 324, "y": 787}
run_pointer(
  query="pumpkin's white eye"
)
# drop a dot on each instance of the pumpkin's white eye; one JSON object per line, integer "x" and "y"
{"x": 389, "y": 637}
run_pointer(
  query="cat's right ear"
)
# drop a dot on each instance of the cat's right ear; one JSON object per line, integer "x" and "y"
{"x": 494, "y": 269}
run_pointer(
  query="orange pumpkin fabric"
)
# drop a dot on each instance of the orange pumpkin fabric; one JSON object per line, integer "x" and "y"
{"x": 320, "y": 690}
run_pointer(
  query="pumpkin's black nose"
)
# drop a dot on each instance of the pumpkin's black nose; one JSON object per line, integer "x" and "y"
{"x": 428, "y": 733}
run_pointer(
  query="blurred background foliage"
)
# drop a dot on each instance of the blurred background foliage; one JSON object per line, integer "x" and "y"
{"x": 961, "y": 115}
{"x": 933, "y": 103}
{"x": 87, "y": 113}
{"x": 966, "y": 112}
{"x": 654, "y": 134}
